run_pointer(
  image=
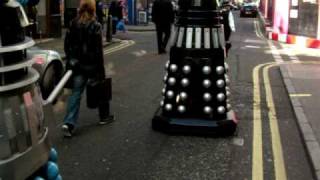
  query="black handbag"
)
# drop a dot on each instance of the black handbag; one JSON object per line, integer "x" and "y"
{"x": 98, "y": 92}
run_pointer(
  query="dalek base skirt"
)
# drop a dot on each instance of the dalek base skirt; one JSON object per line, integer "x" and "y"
{"x": 196, "y": 94}
{"x": 194, "y": 126}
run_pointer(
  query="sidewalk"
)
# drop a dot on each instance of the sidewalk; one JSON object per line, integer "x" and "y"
{"x": 141, "y": 28}
{"x": 303, "y": 85}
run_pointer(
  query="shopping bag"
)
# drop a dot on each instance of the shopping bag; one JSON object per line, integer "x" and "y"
{"x": 98, "y": 92}
{"x": 121, "y": 26}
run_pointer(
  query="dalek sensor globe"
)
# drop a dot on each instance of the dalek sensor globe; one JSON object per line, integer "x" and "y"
{"x": 198, "y": 104}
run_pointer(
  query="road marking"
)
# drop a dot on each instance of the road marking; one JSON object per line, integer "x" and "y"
{"x": 279, "y": 164}
{"x": 257, "y": 150}
{"x": 123, "y": 44}
{"x": 300, "y": 95}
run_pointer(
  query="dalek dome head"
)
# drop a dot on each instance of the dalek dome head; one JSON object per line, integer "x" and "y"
{"x": 199, "y": 13}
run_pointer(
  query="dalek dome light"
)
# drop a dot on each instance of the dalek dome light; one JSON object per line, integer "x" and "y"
{"x": 173, "y": 68}
{"x": 206, "y": 70}
{"x": 172, "y": 81}
{"x": 220, "y": 70}
{"x": 183, "y": 96}
{"x": 182, "y": 109}
{"x": 186, "y": 69}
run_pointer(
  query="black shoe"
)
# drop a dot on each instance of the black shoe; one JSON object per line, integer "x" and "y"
{"x": 107, "y": 120}
{"x": 67, "y": 130}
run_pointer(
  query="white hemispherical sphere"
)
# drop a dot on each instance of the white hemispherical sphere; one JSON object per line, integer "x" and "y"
{"x": 186, "y": 69}
{"x": 185, "y": 82}
{"x": 173, "y": 68}
{"x": 220, "y": 83}
{"x": 221, "y": 97}
{"x": 172, "y": 81}
{"x": 227, "y": 81}
{"x": 170, "y": 94}
{"x": 181, "y": 109}
{"x": 165, "y": 78}
{"x": 206, "y": 70}
{"x": 228, "y": 93}
{"x": 168, "y": 107}
{"x": 207, "y": 110}
{"x": 206, "y": 83}
{"x": 207, "y": 97}
{"x": 226, "y": 65}
{"x": 167, "y": 64}
{"x": 219, "y": 70}
{"x": 221, "y": 109}
{"x": 161, "y": 103}
{"x": 183, "y": 96}
{"x": 164, "y": 91}
{"x": 228, "y": 106}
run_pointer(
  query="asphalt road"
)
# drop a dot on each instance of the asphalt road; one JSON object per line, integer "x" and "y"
{"x": 130, "y": 149}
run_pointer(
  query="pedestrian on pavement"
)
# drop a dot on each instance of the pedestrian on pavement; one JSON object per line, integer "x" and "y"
{"x": 115, "y": 10}
{"x": 163, "y": 17}
{"x": 228, "y": 23}
{"x": 84, "y": 53}
{"x": 99, "y": 11}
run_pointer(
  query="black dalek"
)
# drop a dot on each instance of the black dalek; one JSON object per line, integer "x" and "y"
{"x": 196, "y": 95}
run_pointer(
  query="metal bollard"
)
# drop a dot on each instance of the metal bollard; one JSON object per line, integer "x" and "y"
{"x": 109, "y": 29}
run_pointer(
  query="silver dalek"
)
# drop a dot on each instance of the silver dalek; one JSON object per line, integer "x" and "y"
{"x": 196, "y": 95}
{"x": 29, "y": 81}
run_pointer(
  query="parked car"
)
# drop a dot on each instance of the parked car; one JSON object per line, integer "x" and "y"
{"x": 249, "y": 10}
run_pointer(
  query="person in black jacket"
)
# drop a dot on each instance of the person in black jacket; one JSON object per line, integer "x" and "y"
{"x": 99, "y": 12}
{"x": 163, "y": 17}
{"x": 84, "y": 53}
{"x": 228, "y": 23}
{"x": 115, "y": 10}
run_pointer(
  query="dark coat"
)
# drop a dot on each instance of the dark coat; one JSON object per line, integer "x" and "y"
{"x": 115, "y": 10}
{"x": 83, "y": 43}
{"x": 162, "y": 12}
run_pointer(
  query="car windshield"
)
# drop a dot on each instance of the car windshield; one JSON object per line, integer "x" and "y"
{"x": 248, "y": 7}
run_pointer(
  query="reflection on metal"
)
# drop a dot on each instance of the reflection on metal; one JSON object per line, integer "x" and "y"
{"x": 221, "y": 37}
{"x": 32, "y": 77}
{"x": 198, "y": 38}
{"x": 189, "y": 38}
{"x": 215, "y": 38}
{"x": 174, "y": 36}
{"x": 180, "y": 37}
{"x": 27, "y": 43}
{"x": 207, "y": 38}
{"x": 17, "y": 66}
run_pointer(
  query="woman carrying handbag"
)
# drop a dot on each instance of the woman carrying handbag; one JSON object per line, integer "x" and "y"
{"x": 84, "y": 53}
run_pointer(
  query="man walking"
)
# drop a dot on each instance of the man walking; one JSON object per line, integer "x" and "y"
{"x": 228, "y": 23}
{"x": 163, "y": 17}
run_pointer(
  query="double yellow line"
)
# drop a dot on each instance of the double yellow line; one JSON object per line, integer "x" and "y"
{"x": 257, "y": 148}
{"x": 257, "y": 154}
{"x": 122, "y": 45}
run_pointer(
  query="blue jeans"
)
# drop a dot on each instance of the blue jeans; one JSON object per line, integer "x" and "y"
{"x": 79, "y": 84}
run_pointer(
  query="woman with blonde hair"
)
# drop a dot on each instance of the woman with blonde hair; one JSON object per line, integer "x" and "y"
{"x": 84, "y": 54}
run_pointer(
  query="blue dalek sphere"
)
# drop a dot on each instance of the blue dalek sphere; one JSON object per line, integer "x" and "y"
{"x": 52, "y": 170}
{"x": 59, "y": 177}
{"x": 39, "y": 178}
{"x": 53, "y": 155}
